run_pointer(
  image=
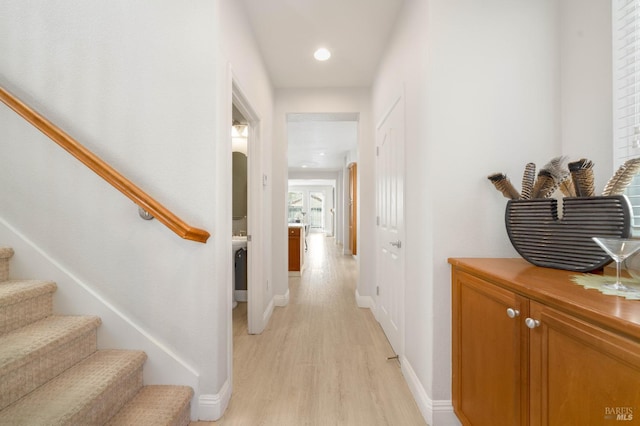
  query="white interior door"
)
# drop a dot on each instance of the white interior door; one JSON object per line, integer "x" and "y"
{"x": 390, "y": 234}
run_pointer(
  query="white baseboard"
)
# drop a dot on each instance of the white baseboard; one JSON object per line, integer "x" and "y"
{"x": 281, "y": 300}
{"x": 212, "y": 407}
{"x": 435, "y": 413}
{"x": 365, "y": 302}
{"x": 443, "y": 414}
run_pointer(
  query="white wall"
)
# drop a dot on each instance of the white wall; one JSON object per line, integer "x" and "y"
{"x": 144, "y": 86}
{"x": 323, "y": 101}
{"x": 497, "y": 84}
{"x": 135, "y": 83}
{"x": 481, "y": 84}
{"x": 404, "y": 71}
{"x": 586, "y": 84}
{"x": 493, "y": 105}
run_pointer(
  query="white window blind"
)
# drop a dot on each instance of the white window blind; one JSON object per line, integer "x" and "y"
{"x": 626, "y": 89}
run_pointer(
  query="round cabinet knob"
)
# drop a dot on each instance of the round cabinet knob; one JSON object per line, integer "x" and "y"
{"x": 512, "y": 313}
{"x": 532, "y": 323}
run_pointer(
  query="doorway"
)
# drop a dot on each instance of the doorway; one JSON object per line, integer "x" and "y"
{"x": 320, "y": 145}
{"x": 249, "y": 224}
{"x": 239, "y": 199}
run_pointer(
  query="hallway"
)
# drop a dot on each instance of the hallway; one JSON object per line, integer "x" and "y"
{"x": 322, "y": 360}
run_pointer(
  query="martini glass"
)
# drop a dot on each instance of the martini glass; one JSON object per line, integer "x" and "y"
{"x": 619, "y": 249}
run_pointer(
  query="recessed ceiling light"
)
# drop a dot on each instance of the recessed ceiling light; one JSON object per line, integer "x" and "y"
{"x": 322, "y": 54}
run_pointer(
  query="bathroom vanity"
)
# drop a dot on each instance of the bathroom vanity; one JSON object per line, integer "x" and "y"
{"x": 296, "y": 248}
{"x": 530, "y": 347}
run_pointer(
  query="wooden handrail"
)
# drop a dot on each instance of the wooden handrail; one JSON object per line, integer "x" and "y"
{"x": 102, "y": 169}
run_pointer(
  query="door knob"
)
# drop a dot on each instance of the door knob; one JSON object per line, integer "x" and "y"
{"x": 397, "y": 244}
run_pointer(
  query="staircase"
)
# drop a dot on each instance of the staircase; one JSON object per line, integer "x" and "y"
{"x": 51, "y": 372}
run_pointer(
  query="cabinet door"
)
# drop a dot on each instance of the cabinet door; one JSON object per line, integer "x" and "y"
{"x": 581, "y": 374}
{"x": 294, "y": 249}
{"x": 490, "y": 361}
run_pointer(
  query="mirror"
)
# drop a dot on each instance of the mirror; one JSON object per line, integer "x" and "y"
{"x": 239, "y": 185}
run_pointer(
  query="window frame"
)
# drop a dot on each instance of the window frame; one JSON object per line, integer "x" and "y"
{"x": 626, "y": 93}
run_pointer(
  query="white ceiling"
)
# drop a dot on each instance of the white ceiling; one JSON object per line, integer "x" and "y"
{"x": 320, "y": 141}
{"x": 289, "y": 31}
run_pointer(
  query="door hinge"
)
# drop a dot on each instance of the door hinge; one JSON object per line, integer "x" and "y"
{"x": 377, "y": 151}
{"x": 378, "y": 220}
{"x": 377, "y": 290}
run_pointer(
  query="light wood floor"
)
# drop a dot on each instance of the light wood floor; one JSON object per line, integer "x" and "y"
{"x": 321, "y": 360}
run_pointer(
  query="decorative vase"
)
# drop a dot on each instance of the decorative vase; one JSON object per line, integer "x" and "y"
{"x": 545, "y": 238}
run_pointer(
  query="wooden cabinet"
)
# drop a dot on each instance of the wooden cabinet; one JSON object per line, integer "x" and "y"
{"x": 582, "y": 374}
{"x": 490, "y": 371}
{"x": 296, "y": 249}
{"x": 532, "y": 348}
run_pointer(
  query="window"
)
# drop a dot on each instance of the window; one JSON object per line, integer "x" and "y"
{"x": 316, "y": 204}
{"x": 296, "y": 205}
{"x": 626, "y": 89}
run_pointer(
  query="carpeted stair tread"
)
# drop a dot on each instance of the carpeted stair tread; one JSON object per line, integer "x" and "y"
{"x": 24, "y": 344}
{"x": 32, "y": 355}
{"x": 89, "y": 393}
{"x": 23, "y": 302}
{"x": 156, "y": 405}
{"x": 15, "y": 291}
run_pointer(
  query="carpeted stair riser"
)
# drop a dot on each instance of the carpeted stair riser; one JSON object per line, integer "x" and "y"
{"x": 153, "y": 405}
{"x": 23, "y": 302}
{"x": 5, "y": 254}
{"x": 112, "y": 400}
{"x": 87, "y": 394}
{"x": 32, "y": 355}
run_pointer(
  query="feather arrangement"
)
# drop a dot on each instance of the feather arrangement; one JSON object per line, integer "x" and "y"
{"x": 576, "y": 179}
{"x": 545, "y": 185}
{"x": 557, "y": 168}
{"x": 582, "y": 176}
{"x": 567, "y": 187}
{"x": 503, "y": 184}
{"x": 622, "y": 177}
{"x": 561, "y": 175}
{"x": 528, "y": 179}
